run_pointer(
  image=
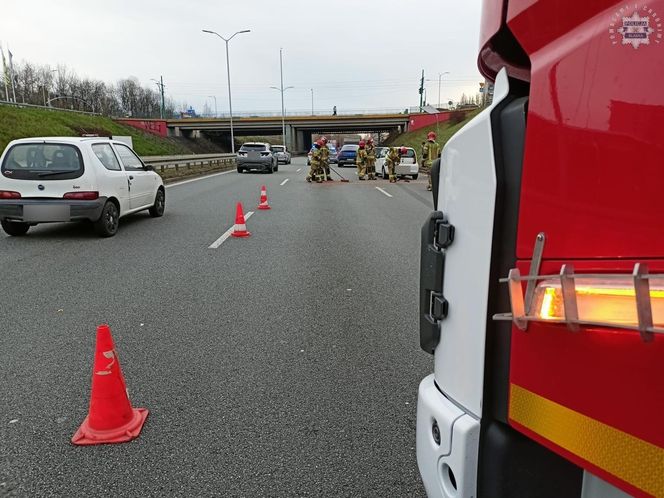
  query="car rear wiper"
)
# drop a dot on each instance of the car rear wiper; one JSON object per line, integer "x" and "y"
{"x": 49, "y": 173}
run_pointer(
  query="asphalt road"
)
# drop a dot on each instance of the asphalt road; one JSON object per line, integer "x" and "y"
{"x": 285, "y": 364}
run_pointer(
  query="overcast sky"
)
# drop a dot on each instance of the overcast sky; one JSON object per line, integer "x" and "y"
{"x": 355, "y": 55}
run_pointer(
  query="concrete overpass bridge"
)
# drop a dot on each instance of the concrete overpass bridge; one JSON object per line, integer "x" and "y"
{"x": 298, "y": 128}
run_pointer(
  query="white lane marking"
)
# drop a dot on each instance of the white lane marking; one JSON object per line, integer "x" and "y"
{"x": 198, "y": 178}
{"x": 284, "y": 182}
{"x": 228, "y": 232}
{"x": 298, "y": 170}
{"x": 387, "y": 194}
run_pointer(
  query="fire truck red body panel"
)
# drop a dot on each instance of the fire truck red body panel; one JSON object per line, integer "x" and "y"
{"x": 592, "y": 181}
{"x": 595, "y": 137}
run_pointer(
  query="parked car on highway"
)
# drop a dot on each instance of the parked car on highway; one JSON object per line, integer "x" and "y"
{"x": 333, "y": 154}
{"x": 256, "y": 156}
{"x": 280, "y": 152}
{"x": 347, "y": 155}
{"x": 407, "y": 166}
{"x": 52, "y": 179}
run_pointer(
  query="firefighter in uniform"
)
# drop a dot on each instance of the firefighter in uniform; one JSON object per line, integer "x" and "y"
{"x": 392, "y": 159}
{"x": 361, "y": 161}
{"x": 430, "y": 152}
{"x": 314, "y": 172}
{"x": 325, "y": 158}
{"x": 371, "y": 159}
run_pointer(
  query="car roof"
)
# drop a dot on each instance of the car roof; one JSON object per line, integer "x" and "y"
{"x": 256, "y": 143}
{"x": 65, "y": 140}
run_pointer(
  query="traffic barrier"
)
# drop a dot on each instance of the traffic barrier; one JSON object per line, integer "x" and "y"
{"x": 111, "y": 418}
{"x": 264, "y": 204}
{"x": 240, "y": 228}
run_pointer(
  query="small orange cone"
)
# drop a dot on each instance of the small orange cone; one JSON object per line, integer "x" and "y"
{"x": 111, "y": 418}
{"x": 240, "y": 229}
{"x": 264, "y": 204}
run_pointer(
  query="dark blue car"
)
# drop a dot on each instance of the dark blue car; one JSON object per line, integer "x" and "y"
{"x": 347, "y": 155}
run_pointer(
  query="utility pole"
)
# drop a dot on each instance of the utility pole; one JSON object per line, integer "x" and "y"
{"x": 160, "y": 85}
{"x": 312, "y": 101}
{"x": 421, "y": 89}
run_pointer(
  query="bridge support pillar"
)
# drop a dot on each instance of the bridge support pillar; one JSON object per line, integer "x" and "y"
{"x": 299, "y": 145}
{"x": 290, "y": 138}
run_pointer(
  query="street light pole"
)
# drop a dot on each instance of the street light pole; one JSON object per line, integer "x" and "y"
{"x": 215, "y": 104}
{"x": 282, "y": 90}
{"x": 312, "y": 101}
{"x": 440, "y": 77}
{"x": 228, "y": 72}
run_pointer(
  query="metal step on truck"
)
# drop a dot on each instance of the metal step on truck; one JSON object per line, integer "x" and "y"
{"x": 542, "y": 264}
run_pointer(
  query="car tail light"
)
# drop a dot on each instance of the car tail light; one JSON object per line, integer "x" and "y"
{"x": 8, "y": 194}
{"x": 81, "y": 196}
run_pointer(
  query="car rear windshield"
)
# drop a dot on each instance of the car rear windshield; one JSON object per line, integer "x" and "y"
{"x": 350, "y": 147}
{"x": 277, "y": 148}
{"x": 247, "y": 147}
{"x": 409, "y": 153}
{"x": 43, "y": 161}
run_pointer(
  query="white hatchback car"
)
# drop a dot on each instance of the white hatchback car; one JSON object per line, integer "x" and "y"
{"x": 53, "y": 179}
{"x": 407, "y": 165}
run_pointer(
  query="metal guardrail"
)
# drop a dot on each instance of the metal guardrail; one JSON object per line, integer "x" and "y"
{"x": 189, "y": 161}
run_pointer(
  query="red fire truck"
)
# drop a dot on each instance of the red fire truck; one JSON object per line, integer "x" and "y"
{"x": 542, "y": 266}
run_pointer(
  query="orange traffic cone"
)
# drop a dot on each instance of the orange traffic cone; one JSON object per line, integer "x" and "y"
{"x": 240, "y": 229}
{"x": 264, "y": 204}
{"x": 111, "y": 418}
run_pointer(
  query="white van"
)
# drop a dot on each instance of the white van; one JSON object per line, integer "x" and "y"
{"x": 58, "y": 179}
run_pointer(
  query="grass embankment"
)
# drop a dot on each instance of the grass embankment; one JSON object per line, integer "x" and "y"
{"x": 415, "y": 138}
{"x": 18, "y": 122}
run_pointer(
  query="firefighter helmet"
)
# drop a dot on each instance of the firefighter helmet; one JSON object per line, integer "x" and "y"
{"x": 320, "y": 143}
{"x": 403, "y": 151}
{"x": 362, "y": 144}
{"x": 431, "y": 135}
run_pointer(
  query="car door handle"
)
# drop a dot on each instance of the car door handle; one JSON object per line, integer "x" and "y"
{"x": 131, "y": 177}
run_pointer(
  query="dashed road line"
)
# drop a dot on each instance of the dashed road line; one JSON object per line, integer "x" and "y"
{"x": 284, "y": 182}
{"x": 227, "y": 233}
{"x": 298, "y": 170}
{"x": 386, "y": 193}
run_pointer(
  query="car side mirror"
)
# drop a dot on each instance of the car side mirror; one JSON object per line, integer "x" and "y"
{"x": 148, "y": 167}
